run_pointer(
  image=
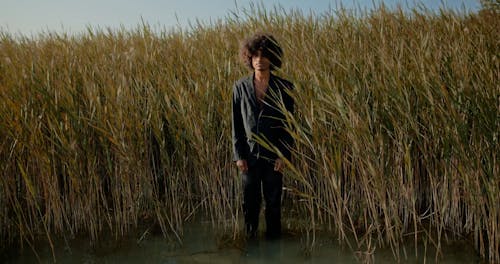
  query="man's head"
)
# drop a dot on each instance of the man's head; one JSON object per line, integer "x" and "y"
{"x": 264, "y": 45}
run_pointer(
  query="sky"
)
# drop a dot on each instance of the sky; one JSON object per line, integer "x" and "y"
{"x": 31, "y": 17}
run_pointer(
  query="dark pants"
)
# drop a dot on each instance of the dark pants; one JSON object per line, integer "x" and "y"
{"x": 261, "y": 176}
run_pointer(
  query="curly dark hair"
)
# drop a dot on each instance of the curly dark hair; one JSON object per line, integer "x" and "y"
{"x": 265, "y": 43}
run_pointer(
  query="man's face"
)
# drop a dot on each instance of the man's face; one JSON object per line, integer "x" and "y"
{"x": 260, "y": 63}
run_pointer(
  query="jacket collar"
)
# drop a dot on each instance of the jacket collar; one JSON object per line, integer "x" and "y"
{"x": 251, "y": 88}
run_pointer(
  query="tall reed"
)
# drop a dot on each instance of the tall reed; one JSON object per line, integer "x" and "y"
{"x": 396, "y": 128}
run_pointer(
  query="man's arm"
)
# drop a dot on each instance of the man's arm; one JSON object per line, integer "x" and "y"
{"x": 240, "y": 148}
{"x": 286, "y": 139}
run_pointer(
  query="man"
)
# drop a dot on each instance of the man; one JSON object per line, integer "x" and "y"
{"x": 257, "y": 115}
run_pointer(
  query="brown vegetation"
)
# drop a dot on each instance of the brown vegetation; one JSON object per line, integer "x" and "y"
{"x": 396, "y": 128}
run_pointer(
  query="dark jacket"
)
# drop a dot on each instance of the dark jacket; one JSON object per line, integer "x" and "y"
{"x": 249, "y": 119}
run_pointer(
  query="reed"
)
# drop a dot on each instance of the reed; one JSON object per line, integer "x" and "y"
{"x": 396, "y": 128}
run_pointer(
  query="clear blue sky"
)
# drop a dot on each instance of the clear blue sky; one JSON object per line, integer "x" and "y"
{"x": 30, "y": 17}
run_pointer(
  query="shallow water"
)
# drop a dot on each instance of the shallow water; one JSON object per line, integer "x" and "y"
{"x": 201, "y": 246}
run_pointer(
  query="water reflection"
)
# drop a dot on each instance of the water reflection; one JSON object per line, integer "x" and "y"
{"x": 201, "y": 246}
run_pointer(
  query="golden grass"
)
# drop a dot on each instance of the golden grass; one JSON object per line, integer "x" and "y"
{"x": 396, "y": 128}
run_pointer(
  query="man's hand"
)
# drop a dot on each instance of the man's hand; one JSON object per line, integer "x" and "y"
{"x": 242, "y": 165}
{"x": 279, "y": 165}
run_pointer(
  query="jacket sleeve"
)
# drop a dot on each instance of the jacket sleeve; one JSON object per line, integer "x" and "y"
{"x": 287, "y": 142}
{"x": 240, "y": 146}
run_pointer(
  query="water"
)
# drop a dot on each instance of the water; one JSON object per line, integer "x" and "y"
{"x": 201, "y": 246}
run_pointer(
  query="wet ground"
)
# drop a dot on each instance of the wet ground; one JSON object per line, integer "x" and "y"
{"x": 200, "y": 246}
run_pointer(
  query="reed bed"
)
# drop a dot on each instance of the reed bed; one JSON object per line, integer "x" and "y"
{"x": 396, "y": 128}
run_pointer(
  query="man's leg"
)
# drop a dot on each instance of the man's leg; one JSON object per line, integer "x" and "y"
{"x": 251, "y": 200}
{"x": 272, "y": 186}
